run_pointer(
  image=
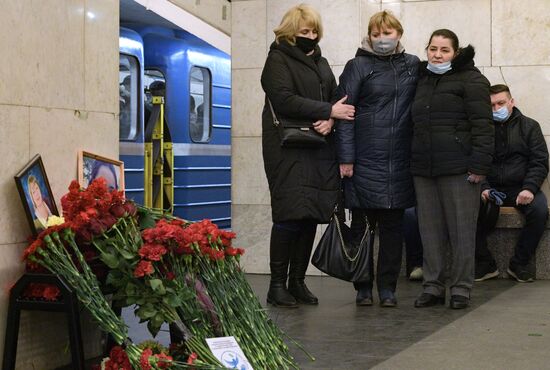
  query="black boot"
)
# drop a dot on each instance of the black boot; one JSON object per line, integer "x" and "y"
{"x": 279, "y": 257}
{"x": 299, "y": 262}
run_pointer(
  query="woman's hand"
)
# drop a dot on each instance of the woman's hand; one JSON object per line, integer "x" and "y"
{"x": 342, "y": 111}
{"x": 324, "y": 127}
{"x": 346, "y": 170}
{"x": 475, "y": 179}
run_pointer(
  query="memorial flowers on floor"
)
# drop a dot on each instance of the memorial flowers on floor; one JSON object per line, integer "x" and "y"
{"x": 171, "y": 271}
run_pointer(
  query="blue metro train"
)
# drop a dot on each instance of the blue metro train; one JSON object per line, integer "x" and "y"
{"x": 195, "y": 80}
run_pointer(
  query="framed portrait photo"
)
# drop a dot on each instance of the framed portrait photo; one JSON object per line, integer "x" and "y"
{"x": 36, "y": 194}
{"x": 92, "y": 166}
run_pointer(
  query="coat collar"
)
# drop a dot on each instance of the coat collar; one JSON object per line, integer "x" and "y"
{"x": 295, "y": 53}
{"x": 516, "y": 113}
{"x": 463, "y": 61}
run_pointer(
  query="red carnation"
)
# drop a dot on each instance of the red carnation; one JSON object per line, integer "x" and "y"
{"x": 192, "y": 358}
{"x": 107, "y": 220}
{"x": 163, "y": 360}
{"x": 96, "y": 227}
{"x": 144, "y": 360}
{"x": 130, "y": 208}
{"x": 117, "y": 210}
{"x": 152, "y": 252}
{"x": 143, "y": 268}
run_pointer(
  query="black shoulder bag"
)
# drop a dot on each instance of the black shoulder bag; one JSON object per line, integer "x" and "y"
{"x": 297, "y": 133}
{"x": 339, "y": 255}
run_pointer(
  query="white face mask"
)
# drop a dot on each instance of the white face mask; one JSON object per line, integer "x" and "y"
{"x": 439, "y": 68}
{"x": 384, "y": 45}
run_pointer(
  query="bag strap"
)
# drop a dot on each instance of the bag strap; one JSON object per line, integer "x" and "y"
{"x": 361, "y": 244}
{"x": 275, "y": 120}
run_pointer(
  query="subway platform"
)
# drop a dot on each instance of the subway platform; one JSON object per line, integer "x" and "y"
{"x": 507, "y": 326}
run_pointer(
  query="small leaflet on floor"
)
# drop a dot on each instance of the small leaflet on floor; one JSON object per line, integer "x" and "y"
{"x": 229, "y": 353}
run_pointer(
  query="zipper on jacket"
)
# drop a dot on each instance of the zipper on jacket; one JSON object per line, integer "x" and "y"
{"x": 392, "y": 131}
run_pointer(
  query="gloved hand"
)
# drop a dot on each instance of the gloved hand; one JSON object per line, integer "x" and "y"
{"x": 497, "y": 196}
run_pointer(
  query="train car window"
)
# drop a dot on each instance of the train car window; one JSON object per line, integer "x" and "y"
{"x": 129, "y": 94}
{"x": 200, "y": 104}
{"x": 154, "y": 84}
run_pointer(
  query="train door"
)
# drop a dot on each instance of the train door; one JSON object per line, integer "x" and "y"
{"x": 131, "y": 112}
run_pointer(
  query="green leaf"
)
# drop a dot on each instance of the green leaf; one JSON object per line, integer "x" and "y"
{"x": 171, "y": 300}
{"x": 146, "y": 311}
{"x": 153, "y": 328}
{"x": 126, "y": 254}
{"x": 146, "y": 221}
{"x": 155, "y": 284}
{"x": 110, "y": 260}
{"x": 130, "y": 289}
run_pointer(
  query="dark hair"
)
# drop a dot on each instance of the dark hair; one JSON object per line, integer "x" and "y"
{"x": 97, "y": 165}
{"x": 157, "y": 88}
{"x": 497, "y": 89}
{"x": 448, "y": 34}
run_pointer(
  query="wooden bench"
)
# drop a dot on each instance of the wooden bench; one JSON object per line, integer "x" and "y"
{"x": 503, "y": 239}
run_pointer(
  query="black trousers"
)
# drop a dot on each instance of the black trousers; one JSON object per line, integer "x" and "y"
{"x": 390, "y": 236}
{"x": 536, "y": 214}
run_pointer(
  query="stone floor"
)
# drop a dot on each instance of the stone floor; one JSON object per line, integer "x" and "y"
{"x": 506, "y": 327}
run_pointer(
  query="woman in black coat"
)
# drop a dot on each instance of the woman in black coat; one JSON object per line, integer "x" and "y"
{"x": 451, "y": 154}
{"x": 303, "y": 182}
{"x": 374, "y": 150}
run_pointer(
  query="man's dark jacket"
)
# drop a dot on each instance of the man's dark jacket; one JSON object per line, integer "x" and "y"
{"x": 378, "y": 142}
{"x": 521, "y": 156}
{"x": 304, "y": 183}
{"x": 453, "y": 121}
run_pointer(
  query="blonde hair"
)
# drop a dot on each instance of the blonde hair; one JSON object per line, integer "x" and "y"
{"x": 294, "y": 18}
{"x": 32, "y": 180}
{"x": 385, "y": 19}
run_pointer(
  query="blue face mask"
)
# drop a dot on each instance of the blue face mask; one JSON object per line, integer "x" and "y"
{"x": 439, "y": 68}
{"x": 501, "y": 114}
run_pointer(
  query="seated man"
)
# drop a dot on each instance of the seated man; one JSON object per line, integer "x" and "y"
{"x": 520, "y": 166}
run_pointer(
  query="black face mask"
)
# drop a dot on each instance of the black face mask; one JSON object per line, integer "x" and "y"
{"x": 306, "y": 44}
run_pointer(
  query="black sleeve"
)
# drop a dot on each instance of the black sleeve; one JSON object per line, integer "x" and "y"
{"x": 279, "y": 87}
{"x": 477, "y": 103}
{"x": 537, "y": 167}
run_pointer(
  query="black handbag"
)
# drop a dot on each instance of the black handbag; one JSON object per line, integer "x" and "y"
{"x": 340, "y": 255}
{"x": 297, "y": 133}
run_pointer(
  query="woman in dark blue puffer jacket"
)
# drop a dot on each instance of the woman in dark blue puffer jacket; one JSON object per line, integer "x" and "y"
{"x": 374, "y": 150}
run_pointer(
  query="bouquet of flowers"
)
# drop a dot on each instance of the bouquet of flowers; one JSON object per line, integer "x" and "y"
{"x": 173, "y": 271}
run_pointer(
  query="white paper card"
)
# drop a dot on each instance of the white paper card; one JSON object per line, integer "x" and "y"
{"x": 228, "y": 352}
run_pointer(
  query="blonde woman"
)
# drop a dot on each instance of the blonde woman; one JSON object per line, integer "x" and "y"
{"x": 303, "y": 182}
{"x": 40, "y": 208}
{"x": 374, "y": 150}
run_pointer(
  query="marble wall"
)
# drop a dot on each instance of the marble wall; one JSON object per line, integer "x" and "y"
{"x": 58, "y": 95}
{"x": 217, "y": 13}
{"x": 512, "y": 47}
